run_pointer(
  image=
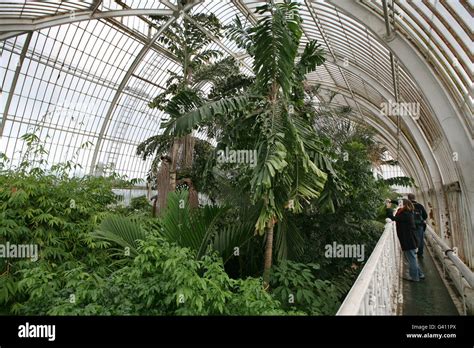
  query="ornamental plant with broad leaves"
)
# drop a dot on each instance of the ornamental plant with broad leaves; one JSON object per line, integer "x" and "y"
{"x": 270, "y": 116}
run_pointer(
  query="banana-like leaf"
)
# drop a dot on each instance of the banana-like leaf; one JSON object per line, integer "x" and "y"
{"x": 183, "y": 124}
{"x": 276, "y": 42}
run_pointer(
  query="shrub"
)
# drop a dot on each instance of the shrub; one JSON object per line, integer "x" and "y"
{"x": 140, "y": 203}
{"x": 296, "y": 287}
{"x": 163, "y": 279}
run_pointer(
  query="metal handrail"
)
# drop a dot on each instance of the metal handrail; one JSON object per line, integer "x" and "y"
{"x": 377, "y": 288}
{"x": 449, "y": 252}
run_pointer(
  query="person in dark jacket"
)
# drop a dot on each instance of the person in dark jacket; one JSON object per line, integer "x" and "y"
{"x": 420, "y": 223}
{"x": 406, "y": 230}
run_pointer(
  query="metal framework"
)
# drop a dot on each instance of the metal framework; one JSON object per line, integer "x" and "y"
{"x": 84, "y": 71}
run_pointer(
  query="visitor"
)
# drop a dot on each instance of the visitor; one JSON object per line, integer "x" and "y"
{"x": 406, "y": 229}
{"x": 420, "y": 223}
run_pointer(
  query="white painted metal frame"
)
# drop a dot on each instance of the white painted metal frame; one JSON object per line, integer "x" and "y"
{"x": 22, "y": 25}
{"x": 462, "y": 277}
{"x": 377, "y": 290}
{"x": 458, "y": 139}
{"x": 125, "y": 80}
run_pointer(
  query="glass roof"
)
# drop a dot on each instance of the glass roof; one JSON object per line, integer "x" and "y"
{"x": 84, "y": 71}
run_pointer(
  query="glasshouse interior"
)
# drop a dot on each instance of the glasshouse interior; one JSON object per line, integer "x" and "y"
{"x": 236, "y": 157}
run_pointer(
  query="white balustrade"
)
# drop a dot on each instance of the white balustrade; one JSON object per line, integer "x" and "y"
{"x": 377, "y": 289}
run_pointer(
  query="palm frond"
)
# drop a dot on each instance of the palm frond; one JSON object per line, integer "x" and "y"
{"x": 154, "y": 146}
{"x": 276, "y": 43}
{"x": 231, "y": 237}
{"x": 312, "y": 57}
{"x": 121, "y": 231}
{"x": 241, "y": 35}
{"x": 184, "y": 100}
{"x": 289, "y": 242}
{"x": 193, "y": 229}
{"x": 400, "y": 181}
{"x": 185, "y": 123}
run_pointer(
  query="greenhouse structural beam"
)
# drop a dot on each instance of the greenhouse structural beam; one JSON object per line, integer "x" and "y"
{"x": 15, "y": 26}
{"x": 457, "y": 140}
{"x": 411, "y": 124}
{"x": 125, "y": 80}
{"x": 388, "y": 128}
{"x": 422, "y": 152}
{"x": 14, "y": 82}
{"x": 315, "y": 18}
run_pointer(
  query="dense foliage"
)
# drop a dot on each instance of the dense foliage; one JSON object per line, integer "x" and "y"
{"x": 312, "y": 185}
{"x": 81, "y": 271}
{"x": 162, "y": 280}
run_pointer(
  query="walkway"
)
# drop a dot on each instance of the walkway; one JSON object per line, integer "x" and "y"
{"x": 380, "y": 290}
{"x": 430, "y": 296}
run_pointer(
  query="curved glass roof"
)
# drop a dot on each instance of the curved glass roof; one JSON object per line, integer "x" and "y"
{"x": 83, "y": 72}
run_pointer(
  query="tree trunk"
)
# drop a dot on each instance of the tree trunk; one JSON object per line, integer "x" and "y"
{"x": 154, "y": 211}
{"x": 193, "y": 198}
{"x": 180, "y": 155}
{"x": 174, "y": 163}
{"x": 268, "y": 253}
{"x": 163, "y": 185}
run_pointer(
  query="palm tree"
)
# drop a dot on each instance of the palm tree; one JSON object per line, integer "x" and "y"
{"x": 190, "y": 46}
{"x": 271, "y": 117}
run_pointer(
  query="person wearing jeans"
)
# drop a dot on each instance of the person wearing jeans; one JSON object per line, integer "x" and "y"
{"x": 420, "y": 236}
{"x": 414, "y": 269}
{"x": 420, "y": 223}
{"x": 406, "y": 233}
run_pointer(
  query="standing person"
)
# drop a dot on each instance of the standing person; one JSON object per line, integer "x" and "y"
{"x": 420, "y": 223}
{"x": 406, "y": 229}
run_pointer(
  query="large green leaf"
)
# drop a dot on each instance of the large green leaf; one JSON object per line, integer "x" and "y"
{"x": 289, "y": 242}
{"x": 189, "y": 228}
{"x": 229, "y": 240}
{"x": 185, "y": 123}
{"x": 311, "y": 58}
{"x": 121, "y": 231}
{"x": 276, "y": 42}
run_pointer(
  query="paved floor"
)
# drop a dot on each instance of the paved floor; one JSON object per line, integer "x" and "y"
{"x": 429, "y": 296}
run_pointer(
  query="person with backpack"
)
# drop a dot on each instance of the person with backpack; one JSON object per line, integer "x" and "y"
{"x": 406, "y": 229}
{"x": 420, "y": 223}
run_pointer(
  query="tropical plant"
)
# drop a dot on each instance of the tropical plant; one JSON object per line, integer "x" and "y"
{"x": 43, "y": 206}
{"x": 354, "y": 217}
{"x": 400, "y": 181}
{"x": 270, "y": 118}
{"x": 140, "y": 203}
{"x": 121, "y": 231}
{"x": 296, "y": 286}
{"x": 163, "y": 279}
{"x": 173, "y": 156}
{"x": 201, "y": 230}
